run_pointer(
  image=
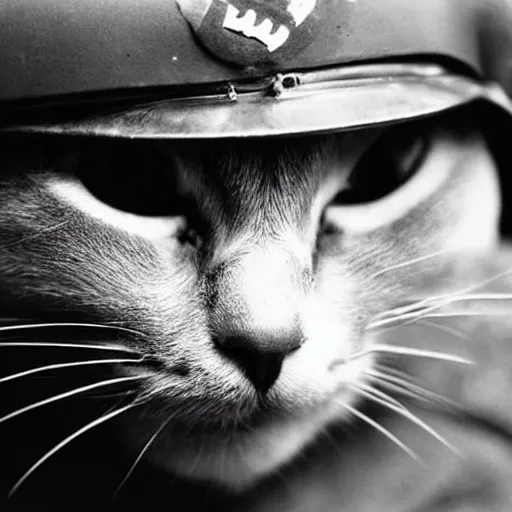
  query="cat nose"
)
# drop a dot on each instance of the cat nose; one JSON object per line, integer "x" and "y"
{"x": 260, "y": 355}
{"x": 256, "y": 301}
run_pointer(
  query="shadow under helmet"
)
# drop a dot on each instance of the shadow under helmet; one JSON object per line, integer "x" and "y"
{"x": 239, "y": 68}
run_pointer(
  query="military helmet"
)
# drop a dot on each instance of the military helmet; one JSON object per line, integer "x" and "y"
{"x": 239, "y": 68}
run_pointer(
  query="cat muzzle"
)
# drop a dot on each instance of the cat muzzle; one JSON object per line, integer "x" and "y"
{"x": 332, "y": 99}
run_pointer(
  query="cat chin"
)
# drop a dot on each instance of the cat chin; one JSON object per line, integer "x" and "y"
{"x": 251, "y": 455}
{"x": 247, "y": 447}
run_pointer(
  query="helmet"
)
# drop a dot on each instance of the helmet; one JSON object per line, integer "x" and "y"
{"x": 235, "y": 68}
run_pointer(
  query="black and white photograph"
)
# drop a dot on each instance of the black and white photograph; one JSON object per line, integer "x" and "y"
{"x": 255, "y": 255}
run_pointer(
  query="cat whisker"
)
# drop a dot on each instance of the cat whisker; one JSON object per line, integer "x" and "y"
{"x": 18, "y": 327}
{"x": 407, "y": 318}
{"x": 413, "y": 262}
{"x": 417, "y": 305}
{"x": 143, "y": 452}
{"x": 444, "y": 328}
{"x": 402, "y": 390}
{"x": 414, "y": 310}
{"x": 61, "y": 366}
{"x": 441, "y": 301}
{"x": 66, "y": 441}
{"x": 446, "y": 301}
{"x": 403, "y": 411}
{"x": 402, "y": 319}
{"x": 399, "y": 376}
{"x": 414, "y": 352}
{"x": 156, "y": 393}
{"x": 483, "y": 296}
{"x": 430, "y": 313}
{"x": 109, "y": 348}
{"x": 383, "y": 431}
{"x": 364, "y": 388}
{"x": 459, "y": 294}
{"x": 403, "y": 385}
{"x": 411, "y": 317}
{"x": 68, "y": 394}
{"x": 454, "y": 314}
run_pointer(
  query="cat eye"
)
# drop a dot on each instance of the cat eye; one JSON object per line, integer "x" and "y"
{"x": 130, "y": 176}
{"x": 388, "y": 163}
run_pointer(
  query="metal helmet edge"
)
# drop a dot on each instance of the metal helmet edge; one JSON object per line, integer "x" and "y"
{"x": 363, "y": 62}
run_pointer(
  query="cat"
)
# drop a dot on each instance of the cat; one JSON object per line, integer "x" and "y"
{"x": 231, "y": 303}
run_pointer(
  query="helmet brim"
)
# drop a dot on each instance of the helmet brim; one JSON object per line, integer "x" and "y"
{"x": 340, "y": 99}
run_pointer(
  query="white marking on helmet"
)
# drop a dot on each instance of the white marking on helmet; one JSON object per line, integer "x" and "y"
{"x": 300, "y": 10}
{"x": 246, "y": 25}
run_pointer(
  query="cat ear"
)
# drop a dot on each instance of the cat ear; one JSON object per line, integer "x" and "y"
{"x": 494, "y": 27}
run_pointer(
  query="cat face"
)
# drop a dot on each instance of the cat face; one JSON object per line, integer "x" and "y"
{"x": 249, "y": 272}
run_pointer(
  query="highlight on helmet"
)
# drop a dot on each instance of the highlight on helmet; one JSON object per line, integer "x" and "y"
{"x": 238, "y": 68}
